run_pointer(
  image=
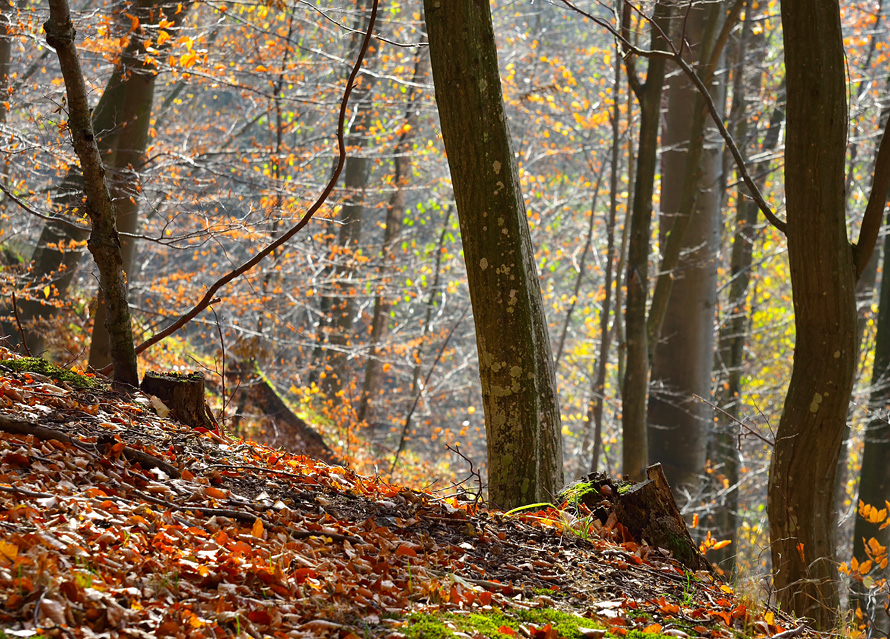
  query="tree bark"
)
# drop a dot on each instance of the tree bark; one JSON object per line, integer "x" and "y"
{"x": 515, "y": 361}
{"x": 823, "y": 279}
{"x": 874, "y": 478}
{"x": 104, "y": 243}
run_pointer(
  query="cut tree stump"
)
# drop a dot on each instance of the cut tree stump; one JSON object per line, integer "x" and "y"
{"x": 183, "y": 395}
{"x": 647, "y": 511}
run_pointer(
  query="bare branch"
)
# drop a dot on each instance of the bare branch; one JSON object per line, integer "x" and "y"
{"x": 677, "y": 58}
{"x": 874, "y": 210}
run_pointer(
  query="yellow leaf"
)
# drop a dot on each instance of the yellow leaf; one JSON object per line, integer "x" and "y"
{"x": 215, "y": 493}
{"x": 257, "y": 530}
{"x": 46, "y": 291}
{"x": 8, "y": 550}
{"x": 653, "y": 628}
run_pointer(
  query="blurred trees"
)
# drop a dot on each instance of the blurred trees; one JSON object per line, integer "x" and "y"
{"x": 217, "y": 122}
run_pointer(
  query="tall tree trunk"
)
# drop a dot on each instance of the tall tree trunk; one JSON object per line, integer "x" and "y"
{"x": 874, "y": 478}
{"x": 103, "y": 243}
{"x": 125, "y": 160}
{"x": 515, "y": 361}
{"x": 823, "y": 280}
{"x": 339, "y": 306}
{"x": 395, "y": 210}
{"x": 635, "y": 390}
{"x": 598, "y": 387}
{"x": 690, "y": 207}
{"x": 121, "y": 121}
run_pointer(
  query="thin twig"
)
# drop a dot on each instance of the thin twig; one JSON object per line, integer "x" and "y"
{"x": 473, "y": 473}
{"x": 753, "y": 432}
{"x": 417, "y": 396}
{"x": 18, "y": 322}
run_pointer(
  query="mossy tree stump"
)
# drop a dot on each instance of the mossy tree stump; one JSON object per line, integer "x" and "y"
{"x": 183, "y": 395}
{"x": 646, "y": 510}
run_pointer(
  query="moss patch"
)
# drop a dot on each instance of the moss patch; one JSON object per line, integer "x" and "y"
{"x": 575, "y": 494}
{"x": 486, "y": 623}
{"x": 43, "y": 367}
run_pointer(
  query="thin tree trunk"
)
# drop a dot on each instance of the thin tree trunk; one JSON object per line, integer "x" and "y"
{"x": 395, "y": 210}
{"x": 635, "y": 448}
{"x": 598, "y": 388}
{"x": 681, "y": 321}
{"x": 874, "y": 477}
{"x": 103, "y": 243}
{"x": 581, "y": 271}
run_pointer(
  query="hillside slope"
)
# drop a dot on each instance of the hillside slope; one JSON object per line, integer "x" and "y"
{"x": 117, "y": 523}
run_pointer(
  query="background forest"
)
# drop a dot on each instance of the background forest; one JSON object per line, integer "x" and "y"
{"x": 669, "y": 306}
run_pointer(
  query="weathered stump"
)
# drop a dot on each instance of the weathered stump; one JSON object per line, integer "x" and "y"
{"x": 647, "y": 511}
{"x": 183, "y": 395}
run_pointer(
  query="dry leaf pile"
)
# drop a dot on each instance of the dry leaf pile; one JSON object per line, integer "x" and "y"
{"x": 117, "y": 523}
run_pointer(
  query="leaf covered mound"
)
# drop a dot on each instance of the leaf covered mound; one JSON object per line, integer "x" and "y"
{"x": 115, "y": 521}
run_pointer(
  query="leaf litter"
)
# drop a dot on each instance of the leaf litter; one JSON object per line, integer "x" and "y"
{"x": 115, "y": 522}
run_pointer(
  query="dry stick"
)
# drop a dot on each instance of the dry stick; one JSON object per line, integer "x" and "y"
{"x": 256, "y": 259}
{"x": 675, "y": 56}
{"x": 18, "y": 322}
{"x": 21, "y": 427}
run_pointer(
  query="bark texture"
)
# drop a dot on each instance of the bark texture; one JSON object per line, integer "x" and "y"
{"x": 515, "y": 361}
{"x": 104, "y": 242}
{"x": 874, "y": 479}
{"x": 823, "y": 278}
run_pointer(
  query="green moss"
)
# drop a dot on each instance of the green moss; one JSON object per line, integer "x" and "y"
{"x": 43, "y": 367}
{"x": 623, "y": 487}
{"x": 486, "y": 623}
{"x": 575, "y": 494}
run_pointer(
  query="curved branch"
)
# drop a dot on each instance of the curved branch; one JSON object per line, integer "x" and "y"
{"x": 677, "y": 58}
{"x": 874, "y": 210}
{"x": 256, "y": 259}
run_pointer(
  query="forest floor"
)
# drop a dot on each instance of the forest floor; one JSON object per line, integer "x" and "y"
{"x": 117, "y": 523}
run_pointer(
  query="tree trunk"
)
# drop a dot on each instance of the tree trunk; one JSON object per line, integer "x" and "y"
{"x": 678, "y": 422}
{"x": 598, "y": 387}
{"x": 57, "y": 253}
{"x": 125, "y": 160}
{"x": 823, "y": 279}
{"x": 635, "y": 390}
{"x": 734, "y": 333}
{"x": 515, "y": 361}
{"x": 874, "y": 479}
{"x": 395, "y": 210}
{"x": 104, "y": 243}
